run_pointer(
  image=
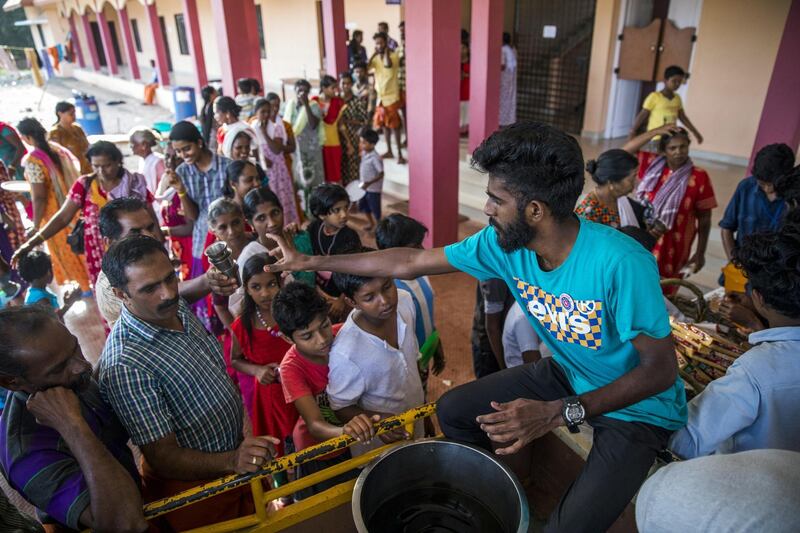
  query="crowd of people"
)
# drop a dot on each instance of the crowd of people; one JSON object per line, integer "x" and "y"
{"x": 210, "y": 372}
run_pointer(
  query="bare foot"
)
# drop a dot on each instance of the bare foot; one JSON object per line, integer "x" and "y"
{"x": 388, "y": 155}
{"x": 401, "y": 160}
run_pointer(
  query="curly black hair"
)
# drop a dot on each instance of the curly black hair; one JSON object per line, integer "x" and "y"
{"x": 296, "y": 306}
{"x": 535, "y": 161}
{"x": 771, "y": 262}
{"x": 772, "y": 162}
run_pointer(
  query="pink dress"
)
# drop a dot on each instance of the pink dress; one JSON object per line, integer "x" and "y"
{"x": 280, "y": 177}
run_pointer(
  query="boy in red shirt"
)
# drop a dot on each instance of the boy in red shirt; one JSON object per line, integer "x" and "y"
{"x": 302, "y": 315}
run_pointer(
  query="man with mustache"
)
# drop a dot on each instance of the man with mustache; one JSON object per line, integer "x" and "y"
{"x": 165, "y": 377}
{"x": 591, "y": 293}
{"x": 131, "y": 216}
{"x": 61, "y": 446}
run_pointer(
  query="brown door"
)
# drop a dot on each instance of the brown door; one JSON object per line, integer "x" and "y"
{"x": 676, "y": 48}
{"x": 638, "y": 52}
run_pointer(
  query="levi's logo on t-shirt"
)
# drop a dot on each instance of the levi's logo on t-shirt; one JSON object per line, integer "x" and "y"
{"x": 567, "y": 320}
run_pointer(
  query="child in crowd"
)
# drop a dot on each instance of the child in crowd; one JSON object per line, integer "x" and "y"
{"x": 37, "y": 269}
{"x": 755, "y": 205}
{"x": 264, "y": 213}
{"x": 371, "y": 177}
{"x": 245, "y": 98}
{"x": 373, "y": 362}
{"x": 330, "y": 235}
{"x": 241, "y": 177}
{"x": 302, "y": 315}
{"x": 226, "y": 221}
{"x": 400, "y": 231}
{"x": 257, "y": 353}
{"x": 756, "y": 404}
{"x": 520, "y": 342}
{"x": 665, "y": 107}
{"x": 331, "y": 107}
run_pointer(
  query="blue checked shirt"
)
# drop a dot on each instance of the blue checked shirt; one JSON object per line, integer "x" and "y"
{"x": 161, "y": 381}
{"x": 203, "y": 188}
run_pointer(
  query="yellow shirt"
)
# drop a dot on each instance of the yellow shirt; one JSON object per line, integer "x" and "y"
{"x": 387, "y": 80}
{"x": 663, "y": 110}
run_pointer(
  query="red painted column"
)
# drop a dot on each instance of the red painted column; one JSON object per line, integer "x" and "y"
{"x": 195, "y": 43}
{"x": 76, "y": 41}
{"x": 133, "y": 63}
{"x": 780, "y": 117}
{"x": 87, "y": 32}
{"x": 335, "y": 37}
{"x": 158, "y": 40}
{"x": 237, "y": 38}
{"x": 433, "y": 29}
{"x": 484, "y": 83}
{"x": 108, "y": 47}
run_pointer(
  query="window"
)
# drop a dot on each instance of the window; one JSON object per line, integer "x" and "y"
{"x": 137, "y": 41}
{"x": 261, "y": 42}
{"x": 182, "y": 42}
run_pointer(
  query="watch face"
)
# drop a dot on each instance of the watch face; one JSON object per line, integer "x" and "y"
{"x": 575, "y": 413}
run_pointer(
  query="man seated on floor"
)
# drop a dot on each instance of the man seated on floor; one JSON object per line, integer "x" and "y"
{"x": 756, "y": 404}
{"x": 591, "y": 293}
{"x": 165, "y": 377}
{"x": 131, "y": 216}
{"x": 61, "y": 447}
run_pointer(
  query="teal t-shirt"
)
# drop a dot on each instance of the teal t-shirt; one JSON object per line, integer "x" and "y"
{"x": 587, "y": 310}
{"x": 34, "y": 295}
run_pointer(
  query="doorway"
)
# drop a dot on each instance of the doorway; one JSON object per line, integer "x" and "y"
{"x": 98, "y": 44}
{"x": 163, "y": 25}
{"x": 112, "y": 30}
{"x": 554, "y": 46}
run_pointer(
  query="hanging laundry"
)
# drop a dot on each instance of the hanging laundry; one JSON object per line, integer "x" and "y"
{"x": 53, "y": 51}
{"x": 33, "y": 63}
{"x": 7, "y": 59}
{"x": 69, "y": 54}
{"x": 62, "y": 55}
{"x": 48, "y": 67}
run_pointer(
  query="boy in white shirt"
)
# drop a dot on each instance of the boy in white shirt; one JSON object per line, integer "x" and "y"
{"x": 520, "y": 341}
{"x": 373, "y": 362}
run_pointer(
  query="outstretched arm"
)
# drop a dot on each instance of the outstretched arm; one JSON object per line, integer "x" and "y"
{"x": 401, "y": 263}
{"x": 633, "y": 145}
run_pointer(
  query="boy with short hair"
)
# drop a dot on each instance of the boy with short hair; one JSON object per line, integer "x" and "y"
{"x": 37, "y": 269}
{"x": 373, "y": 362}
{"x": 370, "y": 174}
{"x": 665, "y": 106}
{"x": 400, "y": 231}
{"x": 302, "y": 316}
{"x": 246, "y": 99}
{"x": 756, "y": 404}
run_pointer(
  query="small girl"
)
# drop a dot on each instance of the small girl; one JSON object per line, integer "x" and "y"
{"x": 331, "y": 106}
{"x": 257, "y": 353}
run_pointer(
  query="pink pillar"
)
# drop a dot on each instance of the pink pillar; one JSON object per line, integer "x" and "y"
{"x": 87, "y": 32}
{"x": 433, "y": 29}
{"x": 484, "y": 83}
{"x": 108, "y": 47}
{"x": 237, "y": 38}
{"x": 162, "y": 66}
{"x": 133, "y": 63}
{"x": 76, "y": 41}
{"x": 335, "y": 37}
{"x": 195, "y": 43}
{"x": 780, "y": 117}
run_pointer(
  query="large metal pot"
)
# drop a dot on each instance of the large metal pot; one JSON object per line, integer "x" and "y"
{"x": 439, "y": 486}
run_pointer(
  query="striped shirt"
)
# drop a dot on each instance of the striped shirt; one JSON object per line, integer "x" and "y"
{"x": 203, "y": 188}
{"x": 160, "y": 381}
{"x": 422, "y": 293}
{"x": 38, "y": 464}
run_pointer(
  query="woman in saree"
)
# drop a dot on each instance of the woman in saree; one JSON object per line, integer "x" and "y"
{"x": 274, "y": 144}
{"x": 70, "y": 135}
{"x": 305, "y": 116}
{"x": 353, "y": 118}
{"x": 88, "y": 195}
{"x": 682, "y": 198}
{"x": 11, "y": 151}
{"x": 51, "y": 170}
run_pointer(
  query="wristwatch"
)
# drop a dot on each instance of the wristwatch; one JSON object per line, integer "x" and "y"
{"x": 573, "y": 413}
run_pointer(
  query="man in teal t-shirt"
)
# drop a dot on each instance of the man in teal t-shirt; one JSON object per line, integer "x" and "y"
{"x": 593, "y": 296}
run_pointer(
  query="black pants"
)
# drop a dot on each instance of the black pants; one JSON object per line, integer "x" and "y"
{"x": 621, "y": 455}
